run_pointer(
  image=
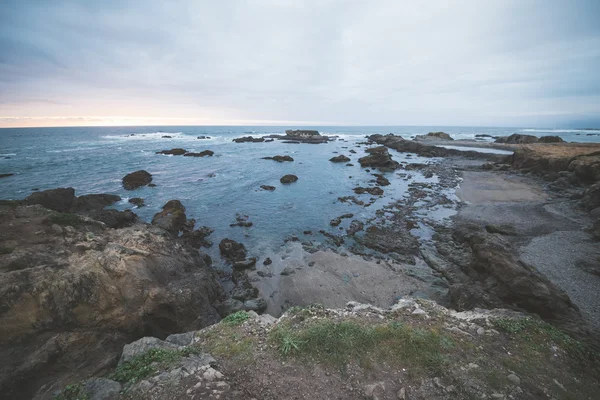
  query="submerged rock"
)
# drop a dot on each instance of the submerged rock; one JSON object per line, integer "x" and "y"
{"x": 288, "y": 179}
{"x": 204, "y": 153}
{"x": 136, "y": 179}
{"x": 375, "y": 191}
{"x": 6, "y": 175}
{"x": 279, "y": 158}
{"x": 339, "y": 159}
{"x": 174, "y": 152}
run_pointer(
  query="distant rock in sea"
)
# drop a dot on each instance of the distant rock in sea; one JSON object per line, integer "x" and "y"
{"x": 137, "y": 179}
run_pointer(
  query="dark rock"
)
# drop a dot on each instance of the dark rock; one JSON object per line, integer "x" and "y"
{"x": 267, "y": 261}
{"x": 434, "y": 136}
{"x": 355, "y": 226}
{"x": 197, "y": 238}
{"x": 245, "y": 264}
{"x": 480, "y": 135}
{"x": 288, "y": 179}
{"x": 517, "y": 138}
{"x": 338, "y": 220}
{"x": 391, "y": 239}
{"x": 60, "y": 199}
{"x": 302, "y": 133}
{"x": 151, "y": 185}
{"x": 91, "y": 202}
{"x": 586, "y": 167}
{"x": 267, "y": 187}
{"x": 6, "y": 175}
{"x": 550, "y": 139}
{"x": 101, "y": 389}
{"x": 174, "y": 152}
{"x": 504, "y": 229}
{"x": 244, "y": 292}
{"x": 350, "y": 165}
{"x": 242, "y": 220}
{"x": 279, "y": 158}
{"x": 232, "y": 250}
{"x": 114, "y": 219}
{"x": 379, "y": 158}
{"x": 142, "y": 346}
{"x": 248, "y": 139}
{"x": 258, "y": 305}
{"x": 353, "y": 151}
{"x": 203, "y": 137}
{"x": 201, "y": 154}
{"x": 287, "y": 271}
{"x": 172, "y": 218}
{"x": 137, "y": 201}
{"x": 381, "y": 180}
{"x": 591, "y": 197}
{"x": 339, "y": 159}
{"x": 137, "y": 179}
{"x": 167, "y": 137}
{"x": 375, "y": 191}
{"x": 228, "y": 307}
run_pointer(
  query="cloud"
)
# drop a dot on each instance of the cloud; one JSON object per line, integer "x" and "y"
{"x": 459, "y": 62}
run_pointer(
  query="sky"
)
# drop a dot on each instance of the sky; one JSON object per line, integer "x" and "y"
{"x": 519, "y": 63}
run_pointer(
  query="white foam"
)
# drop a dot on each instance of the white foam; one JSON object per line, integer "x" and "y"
{"x": 8, "y": 154}
{"x": 148, "y": 136}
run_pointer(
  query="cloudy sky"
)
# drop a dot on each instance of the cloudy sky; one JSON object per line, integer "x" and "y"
{"x": 350, "y": 62}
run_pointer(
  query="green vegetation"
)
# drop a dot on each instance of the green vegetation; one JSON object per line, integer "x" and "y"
{"x": 6, "y": 250}
{"x": 338, "y": 343}
{"x": 72, "y": 392}
{"x": 236, "y": 319}
{"x": 147, "y": 364}
{"x": 224, "y": 340}
{"x": 65, "y": 219}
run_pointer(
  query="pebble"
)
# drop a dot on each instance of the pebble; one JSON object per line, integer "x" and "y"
{"x": 480, "y": 331}
{"x": 402, "y": 394}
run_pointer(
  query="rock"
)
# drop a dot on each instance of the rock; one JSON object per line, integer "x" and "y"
{"x": 267, "y": 261}
{"x": 115, "y": 219}
{"x": 302, "y": 133}
{"x": 401, "y": 394}
{"x": 241, "y": 220}
{"x": 174, "y": 152}
{"x": 249, "y": 139}
{"x": 137, "y": 201}
{"x": 172, "y": 218}
{"x": 374, "y": 191}
{"x": 379, "y": 158}
{"x": 434, "y": 136}
{"x": 267, "y": 187}
{"x": 258, "y": 305}
{"x": 6, "y": 175}
{"x": 60, "y": 199}
{"x": 232, "y": 250}
{"x": 286, "y": 179}
{"x": 514, "y": 379}
{"x": 355, "y": 226}
{"x": 375, "y": 390}
{"x": 550, "y": 139}
{"x": 197, "y": 238}
{"x": 279, "y": 158}
{"x": 502, "y": 229}
{"x": 167, "y": 137}
{"x": 586, "y": 168}
{"x": 142, "y": 346}
{"x": 204, "y": 153}
{"x": 181, "y": 339}
{"x": 381, "y": 180}
{"x": 352, "y": 151}
{"x": 339, "y": 159}
{"x": 101, "y": 389}
{"x": 229, "y": 306}
{"x": 136, "y": 179}
{"x": 91, "y": 202}
{"x": 203, "y": 137}
{"x": 516, "y": 138}
{"x": 245, "y": 264}
{"x": 287, "y": 271}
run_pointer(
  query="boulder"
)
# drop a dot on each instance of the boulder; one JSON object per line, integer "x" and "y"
{"x": 302, "y": 133}
{"x": 90, "y": 202}
{"x": 60, "y": 199}
{"x": 201, "y": 154}
{"x": 279, "y": 158}
{"x": 101, "y": 389}
{"x": 586, "y": 167}
{"x": 267, "y": 187}
{"x": 6, "y": 175}
{"x": 114, "y": 218}
{"x": 172, "y": 218}
{"x": 288, "y": 179}
{"x": 379, "y": 158}
{"x": 197, "y": 238}
{"x": 591, "y": 197}
{"x": 229, "y": 306}
{"x": 232, "y": 250}
{"x": 434, "y": 136}
{"x": 517, "y": 138}
{"x": 136, "y": 201}
{"x": 258, "y": 305}
{"x": 267, "y": 261}
{"x": 355, "y": 226}
{"x": 550, "y": 139}
{"x": 142, "y": 346}
{"x": 173, "y": 152}
{"x": 339, "y": 159}
{"x": 381, "y": 180}
{"x": 249, "y": 139}
{"x": 136, "y": 179}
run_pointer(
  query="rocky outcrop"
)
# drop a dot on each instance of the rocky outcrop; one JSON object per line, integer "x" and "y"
{"x": 379, "y": 158}
{"x": 248, "y": 139}
{"x": 173, "y": 152}
{"x": 60, "y": 199}
{"x": 301, "y": 136}
{"x": 517, "y": 138}
{"x": 74, "y": 292}
{"x": 232, "y": 250}
{"x": 6, "y": 175}
{"x": 91, "y": 202}
{"x": 339, "y": 159}
{"x": 197, "y": 238}
{"x": 434, "y": 136}
{"x": 136, "y": 179}
{"x": 267, "y": 187}
{"x": 204, "y": 153}
{"x": 136, "y": 201}
{"x": 381, "y": 180}
{"x": 286, "y": 179}
{"x": 172, "y": 218}
{"x": 302, "y": 133}
{"x": 279, "y": 158}
{"x": 550, "y": 139}
{"x": 374, "y": 191}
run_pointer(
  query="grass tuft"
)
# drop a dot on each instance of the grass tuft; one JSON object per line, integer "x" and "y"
{"x": 236, "y": 318}
{"x": 72, "y": 392}
{"x": 149, "y": 363}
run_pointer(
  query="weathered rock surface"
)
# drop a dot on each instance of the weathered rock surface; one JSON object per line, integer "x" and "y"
{"x": 550, "y": 139}
{"x": 434, "y": 136}
{"x": 517, "y": 138}
{"x": 267, "y": 187}
{"x": 90, "y": 202}
{"x": 279, "y": 158}
{"x": 136, "y": 179}
{"x": 248, "y": 139}
{"x": 288, "y": 179}
{"x": 379, "y": 158}
{"x": 136, "y": 201}
{"x": 72, "y": 295}
{"x": 232, "y": 250}
{"x": 339, "y": 159}
{"x": 375, "y": 191}
{"x": 60, "y": 199}
{"x": 204, "y": 153}
{"x": 173, "y": 152}
{"x": 172, "y": 218}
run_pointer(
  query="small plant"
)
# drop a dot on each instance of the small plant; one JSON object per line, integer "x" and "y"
{"x": 6, "y": 250}
{"x": 65, "y": 219}
{"x": 144, "y": 365}
{"x": 72, "y": 392}
{"x": 236, "y": 319}
{"x": 288, "y": 342}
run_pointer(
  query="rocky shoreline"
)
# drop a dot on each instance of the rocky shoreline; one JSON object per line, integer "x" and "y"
{"x": 102, "y": 278}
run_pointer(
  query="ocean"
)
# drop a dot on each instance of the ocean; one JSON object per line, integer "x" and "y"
{"x": 215, "y": 189}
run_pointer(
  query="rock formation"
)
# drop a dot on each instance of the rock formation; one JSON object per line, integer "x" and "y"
{"x": 136, "y": 179}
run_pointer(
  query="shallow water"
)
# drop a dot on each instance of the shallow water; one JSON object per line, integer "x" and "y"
{"x": 213, "y": 189}
{"x": 477, "y": 149}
